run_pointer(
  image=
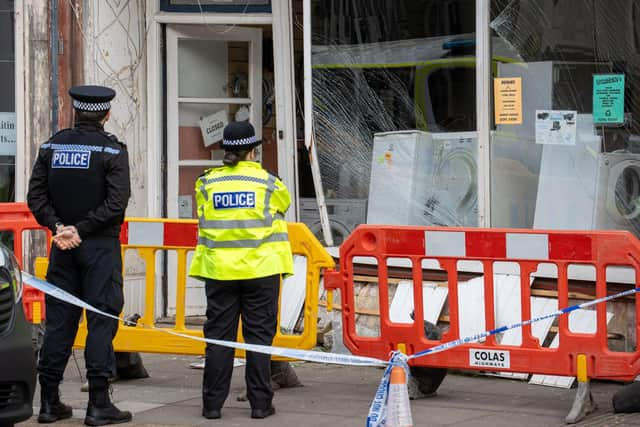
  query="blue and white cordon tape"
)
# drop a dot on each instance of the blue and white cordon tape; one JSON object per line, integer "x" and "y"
{"x": 311, "y": 356}
{"x": 377, "y": 411}
{"x": 481, "y": 335}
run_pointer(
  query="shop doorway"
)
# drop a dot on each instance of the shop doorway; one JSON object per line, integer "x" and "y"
{"x": 214, "y": 76}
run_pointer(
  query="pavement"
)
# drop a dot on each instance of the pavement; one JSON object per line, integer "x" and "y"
{"x": 337, "y": 396}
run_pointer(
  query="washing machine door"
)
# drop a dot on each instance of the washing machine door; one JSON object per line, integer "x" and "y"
{"x": 623, "y": 194}
{"x": 456, "y": 187}
{"x": 339, "y": 232}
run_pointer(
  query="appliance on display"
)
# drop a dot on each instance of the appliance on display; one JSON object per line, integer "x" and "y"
{"x": 516, "y": 190}
{"x": 424, "y": 178}
{"x": 344, "y": 216}
{"x": 619, "y": 183}
{"x": 581, "y": 188}
{"x": 515, "y": 166}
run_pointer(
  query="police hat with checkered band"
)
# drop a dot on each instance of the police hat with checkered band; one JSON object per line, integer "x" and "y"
{"x": 239, "y": 136}
{"x": 92, "y": 98}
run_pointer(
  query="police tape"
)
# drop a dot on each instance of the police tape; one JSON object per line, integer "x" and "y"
{"x": 377, "y": 410}
{"x": 478, "y": 337}
{"x": 308, "y": 355}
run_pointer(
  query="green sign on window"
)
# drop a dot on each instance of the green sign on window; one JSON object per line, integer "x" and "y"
{"x": 608, "y": 98}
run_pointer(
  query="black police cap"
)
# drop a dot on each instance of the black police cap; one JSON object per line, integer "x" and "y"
{"x": 92, "y": 98}
{"x": 239, "y": 136}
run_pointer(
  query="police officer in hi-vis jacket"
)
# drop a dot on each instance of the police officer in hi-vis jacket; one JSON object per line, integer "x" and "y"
{"x": 243, "y": 251}
{"x": 79, "y": 189}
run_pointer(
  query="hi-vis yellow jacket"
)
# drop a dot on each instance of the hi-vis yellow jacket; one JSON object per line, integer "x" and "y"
{"x": 242, "y": 233}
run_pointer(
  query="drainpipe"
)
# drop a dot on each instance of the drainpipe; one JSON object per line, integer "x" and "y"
{"x": 54, "y": 65}
{"x": 67, "y": 61}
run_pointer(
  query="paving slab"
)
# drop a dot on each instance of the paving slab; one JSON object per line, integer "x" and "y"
{"x": 338, "y": 396}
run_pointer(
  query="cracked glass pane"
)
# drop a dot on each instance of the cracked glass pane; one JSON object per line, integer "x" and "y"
{"x": 572, "y": 163}
{"x": 394, "y": 111}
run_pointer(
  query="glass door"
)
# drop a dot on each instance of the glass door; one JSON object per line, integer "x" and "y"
{"x": 214, "y": 76}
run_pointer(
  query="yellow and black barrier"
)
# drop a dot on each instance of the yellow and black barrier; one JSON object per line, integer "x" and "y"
{"x": 148, "y": 236}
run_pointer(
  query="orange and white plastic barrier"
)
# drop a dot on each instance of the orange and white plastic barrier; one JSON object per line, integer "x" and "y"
{"x": 16, "y": 218}
{"x": 526, "y": 248}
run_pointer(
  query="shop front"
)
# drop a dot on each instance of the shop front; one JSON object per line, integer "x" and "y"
{"x": 455, "y": 113}
{"x": 499, "y": 113}
{"x": 479, "y": 113}
{"x": 222, "y": 62}
{"x": 518, "y": 114}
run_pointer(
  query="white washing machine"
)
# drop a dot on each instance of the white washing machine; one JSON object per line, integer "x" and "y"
{"x": 568, "y": 181}
{"x": 424, "y": 178}
{"x": 452, "y": 200}
{"x": 580, "y": 188}
{"x": 618, "y": 196}
{"x": 344, "y": 216}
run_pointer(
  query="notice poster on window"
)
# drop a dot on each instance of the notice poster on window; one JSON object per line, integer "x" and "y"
{"x": 212, "y": 127}
{"x": 608, "y": 98}
{"x": 8, "y": 134}
{"x": 507, "y": 93}
{"x": 556, "y": 127}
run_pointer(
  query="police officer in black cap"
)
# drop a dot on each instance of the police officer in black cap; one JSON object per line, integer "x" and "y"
{"x": 79, "y": 189}
{"x": 243, "y": 252}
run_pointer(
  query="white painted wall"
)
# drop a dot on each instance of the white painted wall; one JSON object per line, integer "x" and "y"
{"x": 115, "y": 56}
{"x": 115, "y": 43}
{"x": 33, "y": 91}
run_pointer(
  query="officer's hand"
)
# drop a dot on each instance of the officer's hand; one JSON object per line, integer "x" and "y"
{"x": 60, "y": 227}
{"x": 67, "y": 238}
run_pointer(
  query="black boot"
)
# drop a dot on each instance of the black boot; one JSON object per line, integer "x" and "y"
{"x": 51, "y": 408}
{"x": 100, "y": 410}
{"x": 263, "y": 413}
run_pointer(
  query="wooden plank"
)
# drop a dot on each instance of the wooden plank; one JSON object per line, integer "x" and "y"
{"x": 394, "y": 280}
{"x": 337, "y": 306}
{"x": 534, "y": 292}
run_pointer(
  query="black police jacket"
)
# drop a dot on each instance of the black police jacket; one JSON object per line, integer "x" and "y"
{"x": 81, "y": 178}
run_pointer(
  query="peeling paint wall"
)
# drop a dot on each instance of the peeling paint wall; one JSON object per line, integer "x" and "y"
{"x": 36, "y": 95}
{"x": 114, "y": 43}
{"x": 114, "y": 55}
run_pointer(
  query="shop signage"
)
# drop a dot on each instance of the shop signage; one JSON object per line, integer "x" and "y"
{"x": 608, "y": 98}
{"x": 212, "y": 127}
{"x": 489, "y": 358}
{"x": 507, "y": 92}
{"x": 8, "y": 134}
{"x": 556, "y": 127}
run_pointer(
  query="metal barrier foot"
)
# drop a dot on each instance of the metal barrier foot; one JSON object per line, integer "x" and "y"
{"x": 583, "y": 404}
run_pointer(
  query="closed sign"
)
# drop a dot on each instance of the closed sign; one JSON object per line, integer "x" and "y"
{"x": 489, "y": 358}
{"x": 212, "y": 127}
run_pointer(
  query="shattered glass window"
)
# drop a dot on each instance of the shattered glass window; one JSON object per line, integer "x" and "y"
{"x": 574, "y": 160}
{"x": 394, "y": 111}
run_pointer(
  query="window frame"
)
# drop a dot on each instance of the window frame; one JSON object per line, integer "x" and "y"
{"x": 166, "y": 6}
{"x": 484, "y": 107}
{"x": 20, "y": 160}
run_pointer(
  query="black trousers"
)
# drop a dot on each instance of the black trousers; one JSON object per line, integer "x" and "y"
{"x": 257, "y": 301}
{"x": 92, "y": 272}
